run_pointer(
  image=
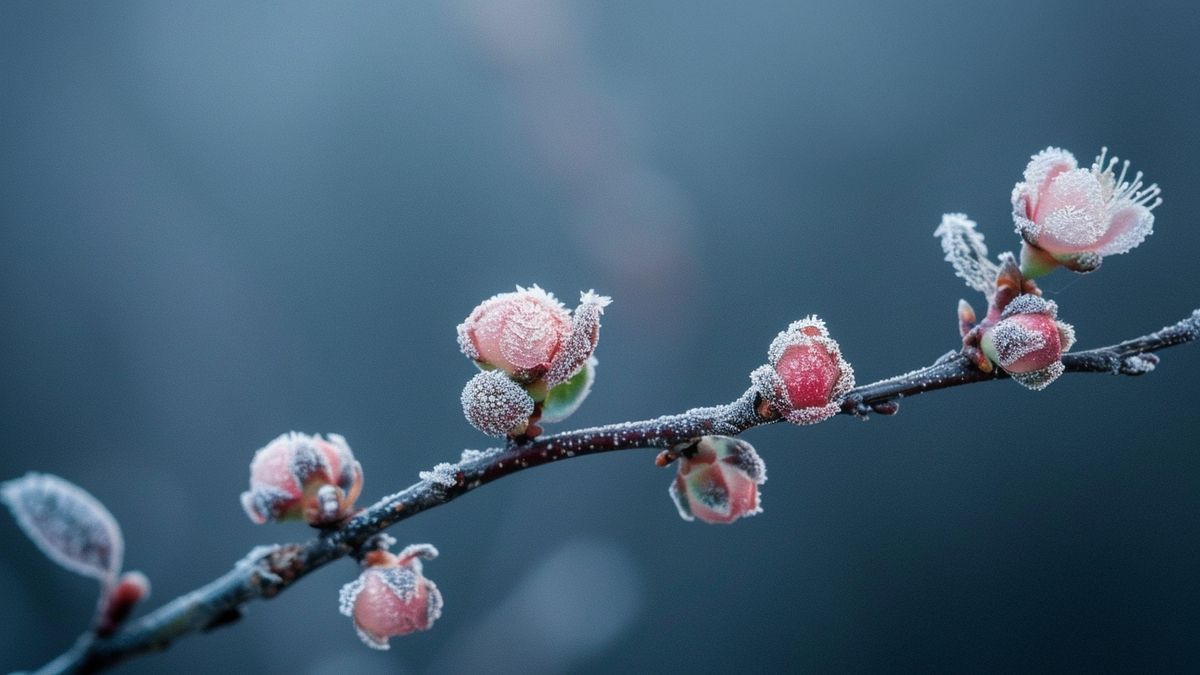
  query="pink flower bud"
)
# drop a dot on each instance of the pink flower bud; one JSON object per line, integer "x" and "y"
{"x": 1028, "y": 341}
{"x": 300, "y": 476}
{"x": 392, "y": 596}
{"x": 718, "y": 480}
{"x": 1077, "y": 216}
{"x": 496, "y": 405}
{"x": 807, "y": 377}
{"x": 531, "y": 336}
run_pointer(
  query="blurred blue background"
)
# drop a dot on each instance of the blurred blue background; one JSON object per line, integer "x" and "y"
{"x": 223, "y": 221}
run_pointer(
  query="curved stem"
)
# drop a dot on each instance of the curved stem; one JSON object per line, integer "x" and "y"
{"x": 267, "y": 571}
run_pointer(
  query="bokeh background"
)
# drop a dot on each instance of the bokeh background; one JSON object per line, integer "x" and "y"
{"x": 223, "y": 221}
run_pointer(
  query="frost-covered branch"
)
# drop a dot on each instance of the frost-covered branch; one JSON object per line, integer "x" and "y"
{"x": 267, "y": 571}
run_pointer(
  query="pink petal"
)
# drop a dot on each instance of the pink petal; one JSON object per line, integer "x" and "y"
{"x": 1043, "y": 168}
{"x": 1129, "y": 227}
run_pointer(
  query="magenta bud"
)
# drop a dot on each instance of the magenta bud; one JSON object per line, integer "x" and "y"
{"x": 717, "y": 480}
{"x": 1075, "y": 217}
{"x": 531, "y": 336}
{"x": 807, "y": 377}
{"x": 1028, "y": 341}
{"x": 300, "y": 476}
{"x": 391, "y": 596}
{"x": 496, "y": 405}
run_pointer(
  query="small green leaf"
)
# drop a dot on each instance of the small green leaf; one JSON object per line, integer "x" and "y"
{"x": 564, "y": 399}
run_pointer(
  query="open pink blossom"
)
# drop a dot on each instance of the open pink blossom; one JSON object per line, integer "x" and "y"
{"x": 807, "y": 377}
{"x": 531, "y": 336}
{"x": 301, "y": 476}
{"x": 1028, "y": 341}
{"x": 717, "y": 480}
{"x": 391, "y": 596}
{"x": 1075, "y": 217}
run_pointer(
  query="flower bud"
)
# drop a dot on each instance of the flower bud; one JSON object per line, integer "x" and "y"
{"x": 300, "y": 476}
{"x": 531, "y": 336}
{"x": 807, "y": 377}
{"x": 1028, "y": 341}
{"x": 392, "y": 596}
{"x": 717, "y": 480}
{"x": 130, "y": 589}
{"x": 1074, "y": 217}
{"x": 496, "y": 405}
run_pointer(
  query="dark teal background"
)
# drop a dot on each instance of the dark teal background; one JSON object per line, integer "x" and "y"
{"x": 223, "y": 221}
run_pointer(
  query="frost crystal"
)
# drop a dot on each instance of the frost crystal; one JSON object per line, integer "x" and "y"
{"x": 69, "y": 525}
{"x": 494, "y": 404}
{"x": 470, "y": 456}
{"x": 1030, "y": 304}
{"x": 442, "y": 474}
{"x": 965, "y": 250}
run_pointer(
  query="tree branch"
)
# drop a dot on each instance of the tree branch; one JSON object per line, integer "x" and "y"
{"x": 267, "y": 571}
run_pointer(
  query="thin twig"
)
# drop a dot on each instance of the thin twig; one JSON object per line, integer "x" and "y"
{"x": 267, "y": 571}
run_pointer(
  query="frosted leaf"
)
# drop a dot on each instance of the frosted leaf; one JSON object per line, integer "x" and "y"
{"x": 442, "y": 474}
{"x": 965, "y": 250}
{"x": 494, "y": 404}
{"x": 69, "y": 525}
{"x": 1039, "y": 379}
{"x": 579, "y": 344}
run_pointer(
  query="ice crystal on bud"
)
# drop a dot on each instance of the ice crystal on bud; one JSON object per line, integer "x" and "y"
{"x": 69, "y": 525}
{"x": 717, "y": 480}
{"x": 1075, "y": 216}
{"x": 1028, "y": 341}
{"x": 392, "y": 596}
{"x": 494, "y": 404}
{"x": 965, "y": 250}
{"x": 301, "y": 476}
{"x": 807, "y": 377}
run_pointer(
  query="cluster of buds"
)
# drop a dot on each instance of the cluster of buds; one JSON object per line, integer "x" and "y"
{"x": 1075, "y": 217}
{"x": 807, "y": 378}
{"x": 1067, "y": 217}
{"x": 297, "y": 476}
{"x": 536, "y": 358}
{"x": 300, "y": 476}
{"x": 717, "y": 479}
{"x": 392, "y": 596}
